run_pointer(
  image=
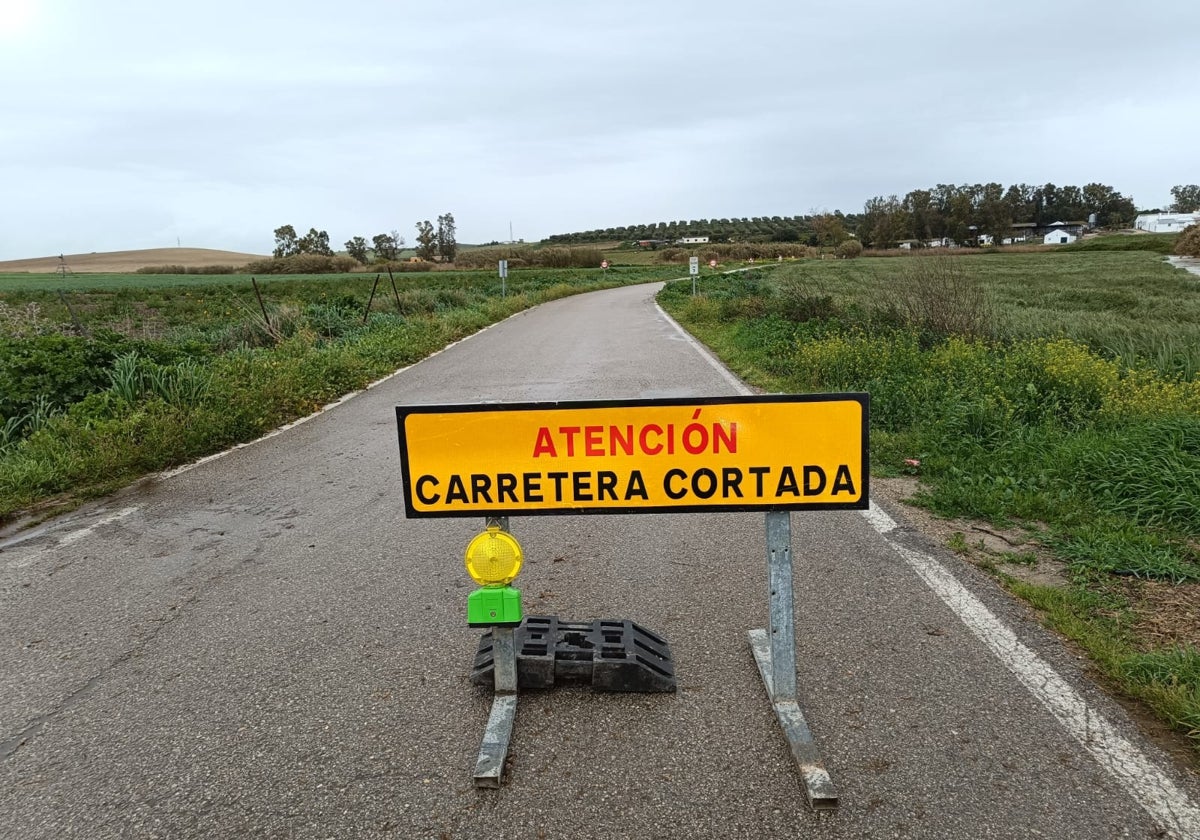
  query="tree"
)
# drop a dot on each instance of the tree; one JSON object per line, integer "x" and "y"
{"x": 923, "y": 215}
{"x": 285, "y": 242}
{"x": 426, "y": 240}
{"x": 357, "y": 248}
{"x": 387, "y": 246}
{"x": 995, "y": 214}
{"x": 1187, "y": 198}
{"x": 315, "y": 242}
{"x": 1111, "y": 208}
{"x": 446, "y": 244}
{"x": 829, "y": 228}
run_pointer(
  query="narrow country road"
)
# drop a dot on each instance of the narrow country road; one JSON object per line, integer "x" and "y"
{"x": 263, "y": 646}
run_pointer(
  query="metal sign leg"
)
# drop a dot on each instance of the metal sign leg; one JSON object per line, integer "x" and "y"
{"x": 775, "y": 653}
{"x": 496, "y": 736}
{"x": 493, "y": 751}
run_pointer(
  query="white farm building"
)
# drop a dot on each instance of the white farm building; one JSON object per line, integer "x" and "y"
{"x": 1058, "y": 237}
{"x": 1165, "y": 222}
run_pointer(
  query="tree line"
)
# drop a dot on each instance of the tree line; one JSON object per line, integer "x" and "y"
{"x": 431, "y": 243}
{"x": 963, "y": 212}
{"x": 947, "y": 211}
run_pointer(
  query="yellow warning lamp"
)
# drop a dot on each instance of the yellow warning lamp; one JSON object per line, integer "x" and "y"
{"x": 493, "y": 559}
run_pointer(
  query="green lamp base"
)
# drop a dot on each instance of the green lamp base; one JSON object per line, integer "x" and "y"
{"x": 494, "y": 605}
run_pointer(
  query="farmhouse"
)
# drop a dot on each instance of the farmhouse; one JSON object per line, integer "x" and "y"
{"x": 1165, "y": 222}
{"x": 693, "y": 240}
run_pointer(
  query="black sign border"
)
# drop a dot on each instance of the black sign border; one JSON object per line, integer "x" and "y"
{"x": 403, "y": 411}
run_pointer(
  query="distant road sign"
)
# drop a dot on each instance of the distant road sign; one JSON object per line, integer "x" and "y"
{"x": 604, "y": 263}
{"x": 693, "y": 265}
{"x": 712, "y": 263}
{"x": 639, "y": 456}
{"x": 503, "y": 269}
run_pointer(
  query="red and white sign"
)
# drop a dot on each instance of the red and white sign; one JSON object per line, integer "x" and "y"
{"x": 604, "y": 263}
{"x": 712, "y": 263}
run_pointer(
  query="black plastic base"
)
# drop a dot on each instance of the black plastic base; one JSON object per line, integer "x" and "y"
{"x": 612, "y": 655}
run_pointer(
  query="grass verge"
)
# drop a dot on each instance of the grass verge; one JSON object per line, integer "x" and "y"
{"x": 167, "y": 370}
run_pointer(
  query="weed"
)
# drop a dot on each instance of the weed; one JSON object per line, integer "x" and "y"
{"x": 937, "y": 295}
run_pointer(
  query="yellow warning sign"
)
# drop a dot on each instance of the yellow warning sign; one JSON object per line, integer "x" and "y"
{"x": 641, "y": 456}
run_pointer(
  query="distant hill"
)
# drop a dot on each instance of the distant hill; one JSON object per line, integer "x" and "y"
{"x": 125, "y": 261}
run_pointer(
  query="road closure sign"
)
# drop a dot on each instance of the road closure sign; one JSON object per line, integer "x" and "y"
{"x": 784, "y": 452}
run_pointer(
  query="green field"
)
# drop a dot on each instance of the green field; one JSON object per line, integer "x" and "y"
{"x": 1129, "y": 305}
{"x": 1050, "y": 396}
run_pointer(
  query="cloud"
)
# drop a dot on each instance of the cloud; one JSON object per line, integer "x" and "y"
{"x": 133, "y": 123}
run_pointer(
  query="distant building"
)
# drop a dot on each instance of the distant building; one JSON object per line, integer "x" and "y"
{"x": 1075, "y": 229}
{"x": 693, "y": 240}
{"x": 1165, "y": 222}
{"x": 1062, "y": 236}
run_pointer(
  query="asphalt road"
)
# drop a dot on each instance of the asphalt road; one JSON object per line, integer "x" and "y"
{"x": 263, "y": 646}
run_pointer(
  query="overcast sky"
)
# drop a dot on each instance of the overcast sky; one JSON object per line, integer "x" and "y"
{"x": 136, "y": 124}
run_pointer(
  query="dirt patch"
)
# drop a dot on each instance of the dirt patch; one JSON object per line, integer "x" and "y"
{"x": 1166, "y": 614}
{"x": 1015, "y": 551}
{"x": 127, "y": 261}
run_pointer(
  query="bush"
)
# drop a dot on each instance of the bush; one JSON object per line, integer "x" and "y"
{"x": 522, "y": 256}
{"x": 738, "y": 251}
{"x": 1189, "y": 242}
{"x": 938, "y": 297}
{"x": 850, "y": 249}
{"x": 190, "y": 269}
{"x": 63, "y": 369}
{"x": 303, "y": 264}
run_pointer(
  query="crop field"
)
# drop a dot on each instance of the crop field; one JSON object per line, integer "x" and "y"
{"x": 1050, "y": 398}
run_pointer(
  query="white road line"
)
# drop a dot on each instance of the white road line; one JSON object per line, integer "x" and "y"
{"x": 738, "y": 385}
{"x": 76, "y": 536}
{"x": 1145, "y": 781}
{"x": 879, "y": 520}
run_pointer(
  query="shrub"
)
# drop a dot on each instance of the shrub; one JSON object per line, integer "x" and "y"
{"x": 738, "y": 251}
{"x": 850, "y": 249}
{"x": 521, "y": 256}
{"x": 938, "y": 297}
{"x": 798, "y": 302}
{"x": 62, "y": 368}
{"x": 25, "y": 321}
{"x": 302, "y": 264}
{"x": 1189, "y": 242}
{"x": 190, "y": 269}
